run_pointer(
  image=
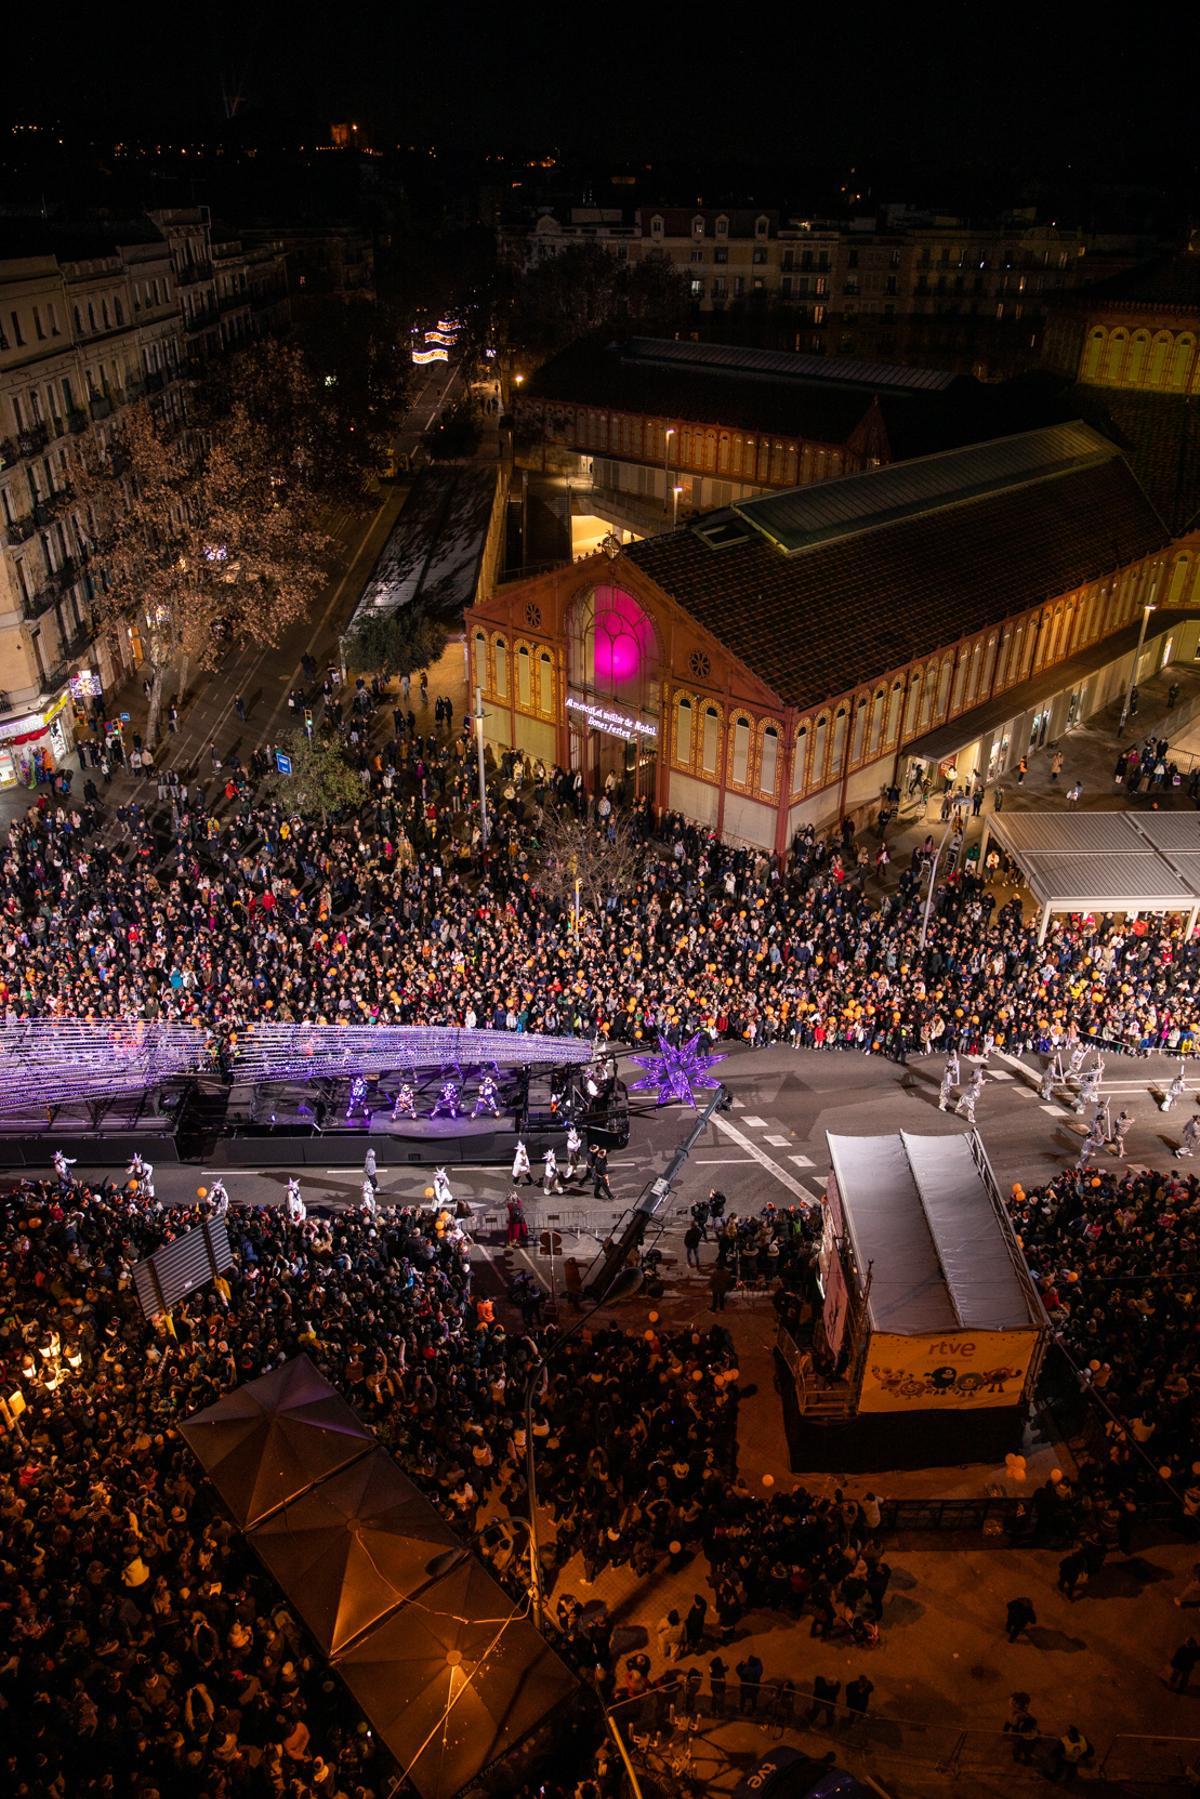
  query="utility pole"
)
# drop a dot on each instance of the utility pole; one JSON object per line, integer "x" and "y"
{"x": 483, "y": 811}
{"x": 1147, "y": 609}
{"x": 937, "y": 856}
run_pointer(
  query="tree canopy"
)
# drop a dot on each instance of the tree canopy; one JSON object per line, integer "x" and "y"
{"x": 396, "y": 642}
{"x": 584, "y": 286}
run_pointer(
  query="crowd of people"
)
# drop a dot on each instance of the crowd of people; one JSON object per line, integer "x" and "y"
{"x": 217, "y": 902}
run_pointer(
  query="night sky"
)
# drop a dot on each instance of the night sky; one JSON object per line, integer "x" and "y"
{"x": 743, "y": 86}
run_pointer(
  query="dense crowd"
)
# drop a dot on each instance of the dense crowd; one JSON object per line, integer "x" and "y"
{"x": 1116, "y": 1256}
{"x": 217, "y": 903}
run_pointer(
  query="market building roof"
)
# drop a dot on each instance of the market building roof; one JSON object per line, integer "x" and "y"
{"x": 820, "y": 588}
{"x": 1169, "y": 282}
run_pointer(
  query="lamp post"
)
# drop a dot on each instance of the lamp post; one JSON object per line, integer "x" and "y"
{"x": 667, "y": 436}
{"x": 1147, "y": 609}
{"x": 675, "y": 493}
{"x": 483, "y": 812}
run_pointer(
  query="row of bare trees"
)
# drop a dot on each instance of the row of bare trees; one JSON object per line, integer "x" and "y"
{"x": 204, "y": 532}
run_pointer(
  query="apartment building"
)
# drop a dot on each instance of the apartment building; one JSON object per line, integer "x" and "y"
{"x": 92, "y": 319}
{"x": 937, "y": 292}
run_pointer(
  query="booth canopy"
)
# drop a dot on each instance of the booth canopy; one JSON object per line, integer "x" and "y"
{"x": 1105, "y": 861}
{"x": 455, "y": 1679}
{"x": 920, "y": 1213}
{"x": 270, "y": 1440}
{"x": 353, "y": 1547}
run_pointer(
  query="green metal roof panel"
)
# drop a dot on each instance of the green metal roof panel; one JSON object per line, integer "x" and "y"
{"x": 806, "y": 516}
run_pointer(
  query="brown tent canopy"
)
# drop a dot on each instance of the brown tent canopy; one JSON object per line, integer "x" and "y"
{"x": 269, "y": 1441}
{"x": 454, "y": 1680}
{"x": 352, "y": 1548}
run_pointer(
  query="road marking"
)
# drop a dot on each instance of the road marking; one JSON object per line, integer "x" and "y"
{"x": 739, "y": 1103}
{"x": 801, "y": 1161}
{"x": 1056, "y": 1111}
{"x": 756, "y": 1122}
{"x": 720, "y": 1161}
{"x": 778, "y": 1142}
{"x": 763, "y": 1159}
{"x": 998, "y": 1074}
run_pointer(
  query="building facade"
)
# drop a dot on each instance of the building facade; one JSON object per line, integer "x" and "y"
{"x": 95, "y": 322}
{"x": 784, "y": 660}
{"x": 923, "y": 290}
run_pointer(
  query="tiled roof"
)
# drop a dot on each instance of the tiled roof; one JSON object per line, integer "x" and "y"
{"x": 784, "y": 365}
{"x": 1172, "y": 282}
{"x": 814, "y": 623}
{"x": 788, "y": 396}
{"x": 1161, "y": 434}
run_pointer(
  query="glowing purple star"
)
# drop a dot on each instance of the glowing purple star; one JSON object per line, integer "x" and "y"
{"x": 676, "y": 1071}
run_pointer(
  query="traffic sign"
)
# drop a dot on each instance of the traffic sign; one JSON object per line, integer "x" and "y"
{"x": 283, "y": 762}
{"x": 124, "y": 718}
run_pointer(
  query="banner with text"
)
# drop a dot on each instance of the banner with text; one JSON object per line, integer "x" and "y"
{"x": 953, "y": 1372}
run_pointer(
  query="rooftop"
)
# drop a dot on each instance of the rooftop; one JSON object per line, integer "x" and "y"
{"x": 435, "y": 550}
{"x": 823, "y": 587}
{"x": 1172, "y": 282}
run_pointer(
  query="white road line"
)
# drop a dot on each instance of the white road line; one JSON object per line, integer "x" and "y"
{"x": 763, "y": 1159}
{"x": 739, "y": 1103}
{"x": 720, "y": 1161}
{"x": 998, "y": 1074}
{"x": 801, "y": 1161}
{"x": 778, "y": 1142}
{"x": 1056, "y": 1111}
{"x": 758, "y": 1123}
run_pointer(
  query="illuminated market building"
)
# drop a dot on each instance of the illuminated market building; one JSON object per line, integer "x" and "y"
{"x": 785, "y": 659}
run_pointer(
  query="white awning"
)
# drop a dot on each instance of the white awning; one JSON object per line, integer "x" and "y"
{"x": 1105, "y": 861}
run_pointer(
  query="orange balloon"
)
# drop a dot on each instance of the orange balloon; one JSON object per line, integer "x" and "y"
{"x": 201, "y": 1192}
{"x": 429, "y": 1192}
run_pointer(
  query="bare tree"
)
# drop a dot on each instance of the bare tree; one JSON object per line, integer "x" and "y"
{"x": 577, "y": 857}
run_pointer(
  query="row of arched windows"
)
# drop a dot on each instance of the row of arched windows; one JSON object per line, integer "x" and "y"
{"x": 520, "y": 674}
{"x": 1153, "y": 361}
{"x": 747, "y": 752}
{"x": 699, "y": 449}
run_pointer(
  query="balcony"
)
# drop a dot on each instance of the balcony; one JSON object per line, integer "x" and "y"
{"x": 202, "y": 320}
{"x": 64, "y": 577}
{"x": 135, "y": 386}
{"x": 55, "y": 679}
{"x": 33, "y": 439}
{"x": 100, "y": 406}
{"x": 77, "y": 640}
{"x": 77, "y": 422}
{"x": 193, "y": 272}
{"x": 48, "y": 509}
{"x": 40, "y": 602}
{"x": 20, "y": 531}
{"x": 154, "y": 381}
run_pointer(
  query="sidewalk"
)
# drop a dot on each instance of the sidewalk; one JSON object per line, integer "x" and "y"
{"x": 262, "y": 675}
{"x": 1089, "y": 755}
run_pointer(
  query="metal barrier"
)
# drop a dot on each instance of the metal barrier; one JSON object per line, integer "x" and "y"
{"x": 1005, "y": 1514}
{"x": 1150, "y": 1758}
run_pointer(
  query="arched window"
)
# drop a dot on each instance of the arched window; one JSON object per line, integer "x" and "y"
{"x": 481, "y": 674}
{"x": 1160, "y": 360}
{"x": 1114, "y": 361}
{"x": 1179, "y": 581}
{"x": 683, "y": 731}
{"x": 838, "y": 748}
{"x": 820, "y": 752}
{"x": 875, "y": 735}
{"x": 710, "y": 749}
{"x": 800, "y": 760}
{"x": 1139, "y": 352}
{"x": 613, "y": 648}
{"x": 1181, "y": 363}
{"x": 913, "y": 710}
{"x": 501, "y": 669}
{"x": 943, "y": 690}
{"x": 892, "y": 728}
{"x": 1093, "y": 355}
{"x": 546, "y": 684}
{"x": 960, "y": 676}
{"x": 768, "y": 765}
{"x": 739, "y": 759}
{"x": 524, "y": 676}
{"x": 858, "y": 738}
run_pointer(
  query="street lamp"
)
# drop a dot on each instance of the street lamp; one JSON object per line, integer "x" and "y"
{"x": 1147, "y": 609}
{"x": 668, "y": 435}
{"x": 675, "y": 493}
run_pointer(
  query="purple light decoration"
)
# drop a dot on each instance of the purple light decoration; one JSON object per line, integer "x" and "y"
{"x": 54, "y": 1061}
{"x": 306, "y": 1052}
{"x": 623, "y": 638}
{"x": 677, "y": 1071}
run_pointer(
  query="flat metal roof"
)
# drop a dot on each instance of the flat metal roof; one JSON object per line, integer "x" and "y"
{"x": 804, "y": 517}
{"x": 739, "y": 360}
{"x": 1103, "y": 861}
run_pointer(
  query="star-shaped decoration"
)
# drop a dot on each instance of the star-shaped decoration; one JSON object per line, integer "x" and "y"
{"x": 677, "y": 1070}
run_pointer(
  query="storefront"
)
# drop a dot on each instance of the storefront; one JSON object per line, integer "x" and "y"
{"x": 38, "y": 740}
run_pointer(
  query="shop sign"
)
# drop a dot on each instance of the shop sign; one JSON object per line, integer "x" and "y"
{"x": 28, "y": 726}
{"x": 613, "y": 724}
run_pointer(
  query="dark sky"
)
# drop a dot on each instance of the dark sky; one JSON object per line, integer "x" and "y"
{"x": 1013, "y": 89}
